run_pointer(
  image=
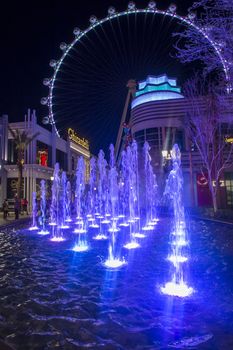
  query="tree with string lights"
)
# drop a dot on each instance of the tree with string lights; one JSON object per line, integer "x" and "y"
{"x": 209, "y": 123}
{"x": 215, "y": 17}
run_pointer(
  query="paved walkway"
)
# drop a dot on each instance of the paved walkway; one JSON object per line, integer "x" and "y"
{"x": 11, "y": 220}
{"x": 221, "y": 221}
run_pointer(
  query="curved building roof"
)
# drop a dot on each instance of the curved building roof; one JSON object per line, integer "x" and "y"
{"x": 158, "y": 88}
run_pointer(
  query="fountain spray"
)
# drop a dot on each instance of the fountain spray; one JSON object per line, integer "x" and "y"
{"x": 43, "y": 230}
{"x": 34, "y": 212}
{"x": 178, "y": 237}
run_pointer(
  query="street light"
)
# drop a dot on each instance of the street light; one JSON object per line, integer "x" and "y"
{"x": 166, "y": 154}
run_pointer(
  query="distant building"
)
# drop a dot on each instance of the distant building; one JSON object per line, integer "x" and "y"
{"x": 41, "y": 155}
{"x": 157, "y": 114}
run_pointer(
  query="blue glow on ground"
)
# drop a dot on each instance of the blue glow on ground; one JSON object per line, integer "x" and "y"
{"x": 68, "y": 220}
{"x": 176, "y": 259}
{"x": 114, "y": 263}
{"x": 132, "y": 245}
{"x": 137, "y": 291}
{"x": 79, "y": 222}
{"x": 94, "y": 226}
{"x": 43, "y": 233}
{"x": 178, "y": 290}
{"x": 113, "y": 229}
{"x": 148, "y": 228}
{"x": 79, "y": 248}
{"x": 105, "y": 222}
{"x": 124, "y": 224}
{"x": 100, "y": 237}
{"x": 180, "y": 243}
{"x": 52, "y": 224}
{"x": 80, "y": 230}
{"x": 57, "y": 239}
{"x": 33, "y": 228}
{"x": 138, "y": 235}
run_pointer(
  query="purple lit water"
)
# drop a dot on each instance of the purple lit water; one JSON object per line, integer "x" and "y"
{"x": 54, "y": 298}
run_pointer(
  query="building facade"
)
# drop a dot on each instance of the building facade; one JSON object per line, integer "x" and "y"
{"x": 157, "y": 116}
{"x": 40, "y": 157}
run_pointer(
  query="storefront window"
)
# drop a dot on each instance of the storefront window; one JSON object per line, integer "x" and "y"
{"x": 179, "y": 139}
{"x": 61, "y": 158}
{"x": 12, "y": 152}
{"x": 140, "y": 137}
{"x": 154, "y": 137}
{"x": 43, "y": 158}
{"x": 44, "y": 154}
{"x": 229, "y": 188}
{"x": 72, "y": 163}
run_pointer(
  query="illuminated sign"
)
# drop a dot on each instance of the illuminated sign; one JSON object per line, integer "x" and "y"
{"x": 79, "y": 149}
{"x": 229, "y": 139}
{"x": 202, "y": 180}
{"x": 74, "y": 137}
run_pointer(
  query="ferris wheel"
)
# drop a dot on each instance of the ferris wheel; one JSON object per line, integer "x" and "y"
{"x": 69, "y": 50}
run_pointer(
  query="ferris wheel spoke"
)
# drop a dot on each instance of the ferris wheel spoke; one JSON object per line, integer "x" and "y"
{"x": 91, "y": 65}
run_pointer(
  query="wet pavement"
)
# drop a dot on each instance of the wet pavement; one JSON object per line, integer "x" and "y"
{"x": 54, "y": 298}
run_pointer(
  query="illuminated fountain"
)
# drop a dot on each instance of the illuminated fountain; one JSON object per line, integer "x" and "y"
{"x": 113, "y": 260}
{"x": 101, "y": 164}
{"x": 113, "y": 185}
{"x": 68, "y": 202}
{"x": 178, "y": 238}
{"x": 131, "y": 186}
{"x": 43, "y": 230}
{"x": 136, "y": 189}
{"x": 54, "y": 199}
{"x": 102, "y": 196}
{"x": 81, "y": 243}
{"x": 56, "y": 206}
{"x": 103, "y": 191}
{"x": 34, "y": 212}
{"x": 92, "y": 200}
{"x": 150, "y": 190}
{"x": 80, "y": 186}
{"x": 109, "y": 201}
{"x": 123, "y": 200}
{"x": 64, "y": 200}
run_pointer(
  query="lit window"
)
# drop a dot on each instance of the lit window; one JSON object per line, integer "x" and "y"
{"x": 43, "y": 158}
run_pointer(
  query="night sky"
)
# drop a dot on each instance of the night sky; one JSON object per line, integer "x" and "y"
{"x": 90, "y": 92}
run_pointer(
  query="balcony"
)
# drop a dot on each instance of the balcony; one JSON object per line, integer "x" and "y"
{"x": 28, "y": 169}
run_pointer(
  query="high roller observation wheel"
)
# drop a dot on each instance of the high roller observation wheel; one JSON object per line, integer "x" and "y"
{"x": 94, "y": 22}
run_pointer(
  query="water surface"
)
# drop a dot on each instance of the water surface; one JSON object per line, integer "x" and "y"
{"x": 53, "y": 298}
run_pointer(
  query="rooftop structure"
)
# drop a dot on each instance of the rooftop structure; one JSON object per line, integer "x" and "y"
{"x": 156, "y": 88}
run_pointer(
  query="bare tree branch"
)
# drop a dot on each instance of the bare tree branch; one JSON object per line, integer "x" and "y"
{"x": 215, "y": 17}
{"x": 208, "y": 121}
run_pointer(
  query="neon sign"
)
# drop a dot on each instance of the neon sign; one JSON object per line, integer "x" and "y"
{"x": 229, "y": 139}
{"x": 74, "y": 137}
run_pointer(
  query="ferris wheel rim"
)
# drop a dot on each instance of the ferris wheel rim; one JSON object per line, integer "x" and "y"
{"x": 94, "y": 22}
